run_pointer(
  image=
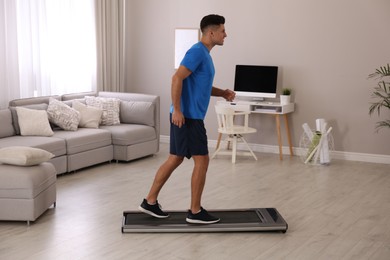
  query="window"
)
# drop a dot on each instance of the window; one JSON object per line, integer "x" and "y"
{"x": 48, "y": 47}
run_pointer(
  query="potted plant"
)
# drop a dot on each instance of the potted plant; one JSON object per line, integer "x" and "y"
{"x": 285, "y": 96}
{"x": 381, "y": 94}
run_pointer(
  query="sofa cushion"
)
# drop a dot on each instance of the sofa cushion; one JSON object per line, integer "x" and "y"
{"x": 33, "y": 122}
{"x": 129, "y": 134}
{"x": 84, "y": 139}
{"x": 110, "y": 107}
{"x": 89, "y": 116}
{"x": 56, "y": 146}
{"x": 15, "y": 121}
{"x": 137, "y": 112}
{"x": 24, "y": 156}
{"x": 63, "y": 115}
{"x": 6, "y": 129}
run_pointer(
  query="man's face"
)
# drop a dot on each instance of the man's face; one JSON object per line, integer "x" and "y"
{"x": 218, "y": 34}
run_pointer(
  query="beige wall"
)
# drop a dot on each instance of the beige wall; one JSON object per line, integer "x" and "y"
{"x": 325, "y": 50}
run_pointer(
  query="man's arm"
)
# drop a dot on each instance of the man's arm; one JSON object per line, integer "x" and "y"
{"x": 227, "y": 94}
{"x": 176, "y": 89}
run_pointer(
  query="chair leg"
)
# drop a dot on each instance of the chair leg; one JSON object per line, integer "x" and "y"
{"x": 228, "y": 142}
{"x": 247, "y": 145}
{"x": 218, "y": 148}
{"x": 218, "y": 141}
{"x": 234, "y": 140}
{"x": 215, "y": 153}
{"x": 234, "y": 151}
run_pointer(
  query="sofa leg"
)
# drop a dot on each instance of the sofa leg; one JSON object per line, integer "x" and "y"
{"x": 54, "y": 204}
{"x": 28, "y": 223}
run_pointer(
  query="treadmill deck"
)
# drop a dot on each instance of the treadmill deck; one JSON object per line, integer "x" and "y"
{"x": 232, "y": 220}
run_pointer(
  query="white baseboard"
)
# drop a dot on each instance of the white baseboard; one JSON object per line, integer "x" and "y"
{"x": 347, "y": 156}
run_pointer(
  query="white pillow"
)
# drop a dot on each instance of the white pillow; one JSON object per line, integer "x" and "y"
{"x": 33, "y": 122}
{"x": 110, "y": 107}
{"x": 90, "y": 116}
{"x": 63, "y": 115}
{"x": 24, "y": 156}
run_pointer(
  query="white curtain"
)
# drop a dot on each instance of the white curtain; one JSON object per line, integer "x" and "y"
{"x": 48, "y": 47}
{"x": 110, "y": 44}
{"x": 9, "y": 73}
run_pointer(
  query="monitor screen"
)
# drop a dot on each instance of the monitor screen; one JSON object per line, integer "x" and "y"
{"x": 256, "y": 81}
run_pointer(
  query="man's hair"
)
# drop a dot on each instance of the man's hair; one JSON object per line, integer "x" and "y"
{"x": 211, "y": 20}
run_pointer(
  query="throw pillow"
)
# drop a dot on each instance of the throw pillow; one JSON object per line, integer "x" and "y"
{"x": 33, "y": 122}
{"x": 15, "y": 120}
{"x": 24, "y": 156}
{"x": 137, "y": 112}
{"x": 110, "y": 107}
{"x": 89, "y": 116}
{"x": 6, "y": 129}
{"x": 63, "y": 115}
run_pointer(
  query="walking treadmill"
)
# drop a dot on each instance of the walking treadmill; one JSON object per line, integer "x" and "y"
{"x": 232, "y": 220}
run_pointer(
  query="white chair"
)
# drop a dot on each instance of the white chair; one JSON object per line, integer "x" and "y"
{"x": 225, "y": 116}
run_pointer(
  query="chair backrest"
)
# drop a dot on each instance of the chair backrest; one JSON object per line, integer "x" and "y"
{"x": 225, "y": 117}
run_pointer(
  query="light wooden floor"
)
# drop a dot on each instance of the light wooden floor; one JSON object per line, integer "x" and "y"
{"x": 340, "y": 211}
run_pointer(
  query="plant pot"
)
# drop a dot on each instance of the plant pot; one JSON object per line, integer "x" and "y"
{"x": 285, "y": 99}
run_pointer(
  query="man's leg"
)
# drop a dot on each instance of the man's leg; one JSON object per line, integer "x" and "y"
{"x": 162, "y": 175}
{"x": 197, "y": 214}
{"x": 198, "y": 181}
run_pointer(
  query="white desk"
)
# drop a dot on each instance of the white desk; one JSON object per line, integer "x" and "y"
{"x": 272, "y": 108}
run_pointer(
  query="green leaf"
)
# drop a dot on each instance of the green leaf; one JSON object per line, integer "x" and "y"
{"x": 381, "y": 94}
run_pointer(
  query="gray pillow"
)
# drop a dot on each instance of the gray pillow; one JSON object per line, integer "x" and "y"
{"x": 6, "y": 128}
{"x": 137, "y": 112}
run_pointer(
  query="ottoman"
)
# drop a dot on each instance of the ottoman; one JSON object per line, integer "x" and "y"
{"x": 26, "y": 191}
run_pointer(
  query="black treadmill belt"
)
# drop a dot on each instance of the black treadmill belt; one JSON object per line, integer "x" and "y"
{"x": 258, "y": 219}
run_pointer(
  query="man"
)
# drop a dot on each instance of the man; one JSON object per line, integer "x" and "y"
{"x": 191, "y": 90}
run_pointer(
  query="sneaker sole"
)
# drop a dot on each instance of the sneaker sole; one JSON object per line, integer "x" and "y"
{"x": 197, "y": 221}
{"x": 151, "y": 213}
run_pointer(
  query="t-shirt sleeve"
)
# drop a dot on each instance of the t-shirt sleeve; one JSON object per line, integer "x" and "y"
{"x": 192, "y": 59}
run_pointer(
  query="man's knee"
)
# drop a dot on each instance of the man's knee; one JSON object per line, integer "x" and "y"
{"x": 201, "y": 159}
{"x": 176, "y": 160}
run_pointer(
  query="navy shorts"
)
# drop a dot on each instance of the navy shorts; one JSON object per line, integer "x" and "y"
{"x": 188, "y": 140}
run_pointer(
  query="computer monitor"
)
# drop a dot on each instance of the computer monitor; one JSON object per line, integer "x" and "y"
{"x": 255, "y": 82}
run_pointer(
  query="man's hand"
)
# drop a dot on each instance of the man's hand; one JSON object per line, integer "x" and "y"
{"x": 229, "y": 95}
{"x": 178, "y": 118}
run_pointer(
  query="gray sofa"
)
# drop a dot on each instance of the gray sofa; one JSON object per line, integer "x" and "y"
{"x": 137, "y": 135}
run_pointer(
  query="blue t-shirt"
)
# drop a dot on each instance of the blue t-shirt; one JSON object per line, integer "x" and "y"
{"x": 196, "y": 91}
